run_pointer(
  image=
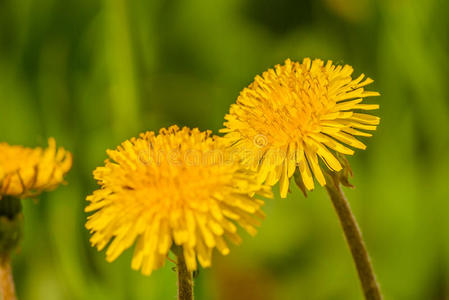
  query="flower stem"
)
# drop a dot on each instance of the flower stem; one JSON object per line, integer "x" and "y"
{"x": 6, "y": 280}
{"x": 11, "y": 223}
{"x": 185, "y": 279}
{"x": 354, "y": 239}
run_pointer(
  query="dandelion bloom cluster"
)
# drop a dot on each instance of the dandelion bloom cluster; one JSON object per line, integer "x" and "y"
{"x": 26, "y": 172}
{"x": 174, "y": 189}
{"x": 298, "y": 114}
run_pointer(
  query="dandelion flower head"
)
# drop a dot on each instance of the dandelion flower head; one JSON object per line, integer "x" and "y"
{"x": 27, "y": 172}
{"x": 298, "y": 116}
{"x": 173, "y": 189}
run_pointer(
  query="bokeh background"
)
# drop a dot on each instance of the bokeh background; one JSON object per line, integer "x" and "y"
{"x": 94, "y": 73}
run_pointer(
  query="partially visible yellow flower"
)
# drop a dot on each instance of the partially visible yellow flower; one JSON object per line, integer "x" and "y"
{"x": 27, "y": 172}
{"x": 299, "y": 114}
{"x": 178, "y": 188}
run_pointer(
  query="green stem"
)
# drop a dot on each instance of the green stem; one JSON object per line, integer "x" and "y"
{"x": 11, "y": 223}
{"x": 354, "y": 239}
{"x": 185, "y": 279}
{"x": 6, "y": 279}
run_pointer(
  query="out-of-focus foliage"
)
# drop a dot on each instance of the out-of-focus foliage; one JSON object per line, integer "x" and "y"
{"x": 94, "y": 73}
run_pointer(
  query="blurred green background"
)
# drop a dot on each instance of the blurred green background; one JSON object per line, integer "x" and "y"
{"x": 94, "y": 73}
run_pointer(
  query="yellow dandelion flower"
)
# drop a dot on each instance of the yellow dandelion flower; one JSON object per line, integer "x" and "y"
{"x": 174, "y": 189}
{"x": 298, "y": 114}
{"x": 26, "y": 172}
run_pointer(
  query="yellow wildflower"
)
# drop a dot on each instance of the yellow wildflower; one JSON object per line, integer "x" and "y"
{"x": 26, "y": 172}
{"x": 175, "y": 189}
{"x": 297, "y": 113}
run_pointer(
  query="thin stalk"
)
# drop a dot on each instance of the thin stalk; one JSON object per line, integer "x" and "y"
{"x": 6, "y": 279}
{"x": 354, "y": 239}
{"x": 185, "y": 279}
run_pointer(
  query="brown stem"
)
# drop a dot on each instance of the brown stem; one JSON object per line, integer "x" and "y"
{"x": 355, "y": 241}
{"x": 185, "y": 279}
{"x": 6, "y": 280}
